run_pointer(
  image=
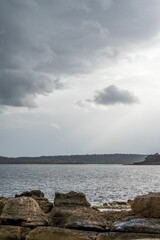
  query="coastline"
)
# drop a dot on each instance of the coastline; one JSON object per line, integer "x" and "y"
{"x": 31, "y": 216}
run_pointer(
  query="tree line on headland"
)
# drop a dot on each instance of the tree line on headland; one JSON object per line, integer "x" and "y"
{"x": 76, "y": 159}
{"x": 153, "y": 159}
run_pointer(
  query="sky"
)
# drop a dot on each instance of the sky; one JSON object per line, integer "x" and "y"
{"x": 79, "y": 77}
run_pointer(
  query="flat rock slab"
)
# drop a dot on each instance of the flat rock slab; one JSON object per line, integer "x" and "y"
{"x": 51, "y": 233}
{"x": 13, "y": 232}
{"x": 127, "y": 236}
{"x": 138, "y": 225}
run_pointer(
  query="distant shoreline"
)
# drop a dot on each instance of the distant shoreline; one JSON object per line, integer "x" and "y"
{"x": 76, "y": 159}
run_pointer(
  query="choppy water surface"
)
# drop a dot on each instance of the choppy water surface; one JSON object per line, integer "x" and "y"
{"x": 100, "y": 183}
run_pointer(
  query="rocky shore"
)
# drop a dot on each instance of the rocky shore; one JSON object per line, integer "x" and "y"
{"x": 31, "y": 216}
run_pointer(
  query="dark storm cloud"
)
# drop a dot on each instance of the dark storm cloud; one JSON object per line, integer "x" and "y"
{"x": 113, "y": 95}
{"x": 19, "y": 88}
{"x": 40, "y": 41}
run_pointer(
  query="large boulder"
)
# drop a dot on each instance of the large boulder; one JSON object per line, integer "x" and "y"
{"x": 81, "y": 219}
{"x": 50, "y": 233}
{"x": 13, "y": 232}
{"x": 147, "y": 205}
{"x": 43, "y": 202}
{"x": 23, "y": 211}
{"x": 70, "y": 200}
{"x": 138, "y": 225}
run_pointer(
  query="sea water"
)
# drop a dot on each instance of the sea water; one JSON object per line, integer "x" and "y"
{"x": 100, "y": 183}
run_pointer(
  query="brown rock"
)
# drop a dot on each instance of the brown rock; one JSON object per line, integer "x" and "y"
{"x": 71, "y": 200}
{"x": 23, "y": 211}
{"x": 127, "y": 236}
{"x": 13, "y": 232}
{"x": 112, "y": 216}
{"x": 147, "y": 205}
{"x": 50, "y": 233}
{"x": 82, "y": 219}
{"x": 2, "y": 203}
{"x": 43, "y": 202}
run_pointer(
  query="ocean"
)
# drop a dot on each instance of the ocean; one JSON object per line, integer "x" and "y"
{"x": 100, "y": 183}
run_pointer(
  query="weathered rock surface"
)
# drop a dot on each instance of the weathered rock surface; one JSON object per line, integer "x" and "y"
{"x": 147, "y": 205}
{"x": 2, "y": 203}
{"x": 72, "y": 218}
{"x": 23, "y": 211}
{"x": 127, "y": 236}
{"x": 13, "y": 232}
{"x": 43, "y": 202}
{"x": 113, "y": 216}
{"x": 50, "y": 233}
{"x": 82, "y": 219}
{"x": 71, "y": 200}
{"x": 138, "y": 225}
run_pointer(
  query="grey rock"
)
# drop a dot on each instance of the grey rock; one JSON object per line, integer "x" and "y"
{"x": 138, "y": 225}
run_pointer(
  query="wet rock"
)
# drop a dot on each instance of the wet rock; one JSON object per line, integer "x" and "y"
{"x": 114, "y": 203}
{"x": 127, "y": 236}
{"x": 43, "y": 202}
{"x": 82, "y": 219}
{"x": 23, "y": 211}
{"x": 117, "y": 205}
{"x": 35, "y": 193}
{"x": 13, "y": 233}
{"x": 138, "y": 225}
{"x": 147, "y": 205}
{"x": 71, "y": 200}
{"x": 50, "y": 233}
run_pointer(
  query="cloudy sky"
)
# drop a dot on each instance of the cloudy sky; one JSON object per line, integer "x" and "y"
{"x": 79, "y": 76}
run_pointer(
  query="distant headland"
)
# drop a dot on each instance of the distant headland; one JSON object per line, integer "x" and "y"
{"x": 76, "y": 159}
{"x": 150, "y": 160}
